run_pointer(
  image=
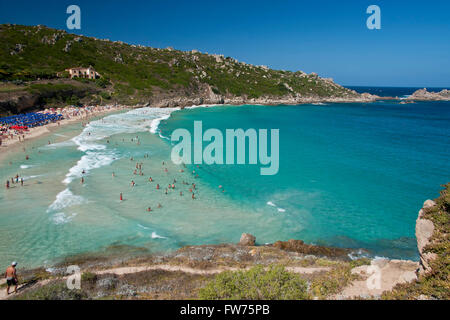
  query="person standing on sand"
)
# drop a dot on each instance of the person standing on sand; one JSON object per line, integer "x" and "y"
{"x": 11, "y": 277}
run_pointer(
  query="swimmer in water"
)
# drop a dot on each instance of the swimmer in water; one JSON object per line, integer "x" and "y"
{"x": 149, "y": 209}
{"x": 150, "y": 179}
{"x": 133, "y": 183}
{"x": 113, "y": 174}
{"x": 193, "y": 196}
{"x": 157, "y": 187}
{"x": 21, "y": 182}
{"x": 166, "y": 192}
{"x": 173, "y": 186}
{"x": 7, "y": 184}
{"x": 159, "y": 205}
{"x": 82, "y": 180}
{"x": 181, "y": 193}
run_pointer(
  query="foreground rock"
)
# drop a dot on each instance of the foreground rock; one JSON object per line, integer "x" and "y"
{"x": 424, "y": 232}
{"x": 301, "y": 247}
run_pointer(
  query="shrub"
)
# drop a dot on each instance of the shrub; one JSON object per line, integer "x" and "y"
{"x": 89, "y": 277}
{"x": 102, "y": 82}
{"x": 332, "y": 282}
{"x": 105, "y": 95}
{"x": 53, "y": 291}
{"x": 275, "y": 283}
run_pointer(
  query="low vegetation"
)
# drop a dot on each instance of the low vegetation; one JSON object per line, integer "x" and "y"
{"x": 258, "y": 283}
{"x": 56, "y": 290}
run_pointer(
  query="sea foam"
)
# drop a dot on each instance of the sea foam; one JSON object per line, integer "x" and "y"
{"x": 61, "y": 218}
{"x": 88, "y": 162}
{"x": 156, "y": 236}
{"x": 65, "y": 199}
{"x": 96, "y": 154}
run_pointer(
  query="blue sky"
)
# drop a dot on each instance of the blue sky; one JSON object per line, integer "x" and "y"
{"x": 327, "y": 37}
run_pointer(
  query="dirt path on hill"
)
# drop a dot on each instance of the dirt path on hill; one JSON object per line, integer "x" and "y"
{"x": 391, "y": 272}
{"x": 172, "y": 268}
{"x": 164, "y": 267}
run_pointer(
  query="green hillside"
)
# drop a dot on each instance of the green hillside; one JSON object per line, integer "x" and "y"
{"x": 40, "y": 53}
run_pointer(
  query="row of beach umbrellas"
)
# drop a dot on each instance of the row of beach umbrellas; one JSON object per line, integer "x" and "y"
{"x": 29, "y": 120}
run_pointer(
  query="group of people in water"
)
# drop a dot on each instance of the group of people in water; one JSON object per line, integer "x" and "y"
{"x": 171, "y": 187}
{"x": 14, "y": 181}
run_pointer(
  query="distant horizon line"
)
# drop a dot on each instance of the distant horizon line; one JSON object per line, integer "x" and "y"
{"x": 378, "y": 86}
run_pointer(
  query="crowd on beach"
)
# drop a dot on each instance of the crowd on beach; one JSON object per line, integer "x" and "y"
{"x": 18, "y": 126}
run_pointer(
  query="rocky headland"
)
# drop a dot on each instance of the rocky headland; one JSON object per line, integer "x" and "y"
{"x": 425, "y": 95}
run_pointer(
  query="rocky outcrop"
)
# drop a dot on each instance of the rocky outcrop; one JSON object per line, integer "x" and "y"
{"x": 206, "y": 95}
{"x": 247, "y": 240}
{"x": 424, "y": 232}
{"x": 300, "y": 247}
{"x": 424, "y": 95}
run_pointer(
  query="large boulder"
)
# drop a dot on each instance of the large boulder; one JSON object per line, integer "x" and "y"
{"x": 247, "y": 240}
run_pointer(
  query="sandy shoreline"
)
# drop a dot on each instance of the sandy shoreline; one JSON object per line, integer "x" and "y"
{"x": 11, "y": 145}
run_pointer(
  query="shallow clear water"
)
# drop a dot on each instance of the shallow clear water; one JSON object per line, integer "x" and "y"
{"x": 351, "y": 175}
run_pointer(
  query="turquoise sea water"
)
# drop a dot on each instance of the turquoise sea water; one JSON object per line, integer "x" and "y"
{"x": 351, "y": 175}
